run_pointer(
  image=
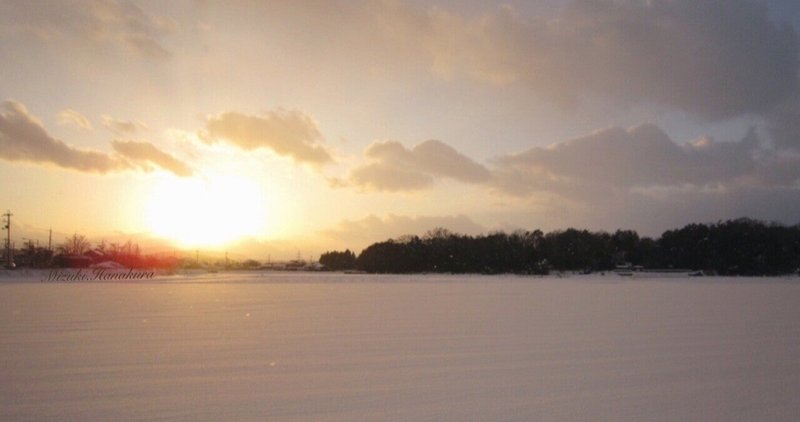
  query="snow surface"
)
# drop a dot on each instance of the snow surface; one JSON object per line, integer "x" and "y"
{"x": 335, "y": 347}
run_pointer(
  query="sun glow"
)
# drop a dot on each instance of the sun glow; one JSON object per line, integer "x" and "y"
{"x": 207, "y": 212}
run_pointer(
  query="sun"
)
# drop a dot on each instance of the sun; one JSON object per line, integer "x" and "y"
{"x": 209, "y": 212}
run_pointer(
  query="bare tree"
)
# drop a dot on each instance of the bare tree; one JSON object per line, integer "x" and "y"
{"x": 437, "y": 233}
{"x": 75, "y": 245}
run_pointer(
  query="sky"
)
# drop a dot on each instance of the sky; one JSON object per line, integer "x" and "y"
{"x": 284, "y": 128}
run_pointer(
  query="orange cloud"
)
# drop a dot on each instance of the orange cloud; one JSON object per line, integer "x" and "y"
{"x": 74, "y": 118}
{"x": 122, "y": 126}
{"x": 291, "y": 134}
{"x": 23, "y": 138}
{"x": 145, "y": 152}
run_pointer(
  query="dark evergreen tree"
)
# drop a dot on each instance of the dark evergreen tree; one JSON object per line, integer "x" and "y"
{"x": 337, "y": 261}
{"x": 735, "y": 247}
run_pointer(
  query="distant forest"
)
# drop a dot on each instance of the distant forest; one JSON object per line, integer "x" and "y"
{"x": 735, "y": 247}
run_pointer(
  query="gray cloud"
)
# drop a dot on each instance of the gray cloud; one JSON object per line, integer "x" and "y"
{"x": 638, "y": 157}
{"x": 716, "y": 59}
{"x": 783, "y": 123}
{"x": 145, "y": 152}
{"x": 23, "y": 138}
{"x": 288, "y": 133}
{"x": 777, "y": 169}
{"x": 711, "y": 58}
{"x": 640, "y": 178}
{"x": 74, "y": 118}
{"x": 393, "y": 167}
{"x": 120, "y": 24}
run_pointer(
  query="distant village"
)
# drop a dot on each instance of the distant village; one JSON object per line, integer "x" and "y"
{"x": 77, "y": 251}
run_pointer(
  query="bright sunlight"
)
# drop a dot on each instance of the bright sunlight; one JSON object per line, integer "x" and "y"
{"x": 207, "y": 212}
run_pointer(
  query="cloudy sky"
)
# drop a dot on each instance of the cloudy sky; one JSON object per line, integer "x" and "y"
{"x": 298, "y": 126}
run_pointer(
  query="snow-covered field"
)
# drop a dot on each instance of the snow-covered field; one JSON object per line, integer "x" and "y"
{"x": 341, "y": 347}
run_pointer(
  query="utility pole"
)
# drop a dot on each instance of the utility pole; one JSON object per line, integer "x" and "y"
{"x": 7, "y": 227}
{"x": 50, "y": 240}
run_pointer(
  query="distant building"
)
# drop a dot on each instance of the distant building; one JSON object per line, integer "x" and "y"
{"x": 77, "y": 261}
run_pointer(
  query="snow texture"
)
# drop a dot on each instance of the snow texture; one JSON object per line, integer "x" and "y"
{"x": 335, "y": 347}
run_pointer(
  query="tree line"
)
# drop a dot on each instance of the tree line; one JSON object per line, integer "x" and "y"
{"x": 78, "y": 251}
{"x": 735, "y": 247}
